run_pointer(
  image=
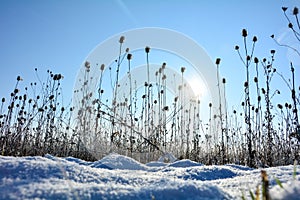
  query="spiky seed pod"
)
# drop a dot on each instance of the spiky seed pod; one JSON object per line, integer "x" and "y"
{"x": 218, "y": 60}
{"x": 129, "y": 56}
{"x": 254, "y": 39}
{"x": 121, "y": 40}
{"x": 295, "y": 11}
{"x": 102, "y": 67}
{"x": 236, "y": 47}
{"x": 147, "y": 49}
{"x": 182, "y": 69}
{"x": 256, "y": 60}
{"x": 87, "y": 64}
{"x": 286, "y": 105}
{"x": 18, "y": 78}
{"x": 284, "y": 8}
{"x": 244, "y": 33}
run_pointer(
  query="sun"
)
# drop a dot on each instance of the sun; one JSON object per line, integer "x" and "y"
{"x": 197, "y": 86}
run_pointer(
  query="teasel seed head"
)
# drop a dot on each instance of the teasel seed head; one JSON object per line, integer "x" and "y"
{"x": 244, "y": 33}
{"x": 255, "y": 79}
{"x": 284, "y": 8}
{"x": 254, "y": 39}
{"x": 121, "y": 40}
{"x": 147, "y": 49}
{"x": 102, "y": 67}
{"x": 129, "y": 56}
{"x": 295, "y": 11}
{"x": 182, "y": 69}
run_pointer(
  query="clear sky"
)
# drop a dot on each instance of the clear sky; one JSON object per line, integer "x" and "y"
{"x": 59, "y": 34}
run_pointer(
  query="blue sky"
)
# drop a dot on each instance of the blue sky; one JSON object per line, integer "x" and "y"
{"x": 59, "y": 34}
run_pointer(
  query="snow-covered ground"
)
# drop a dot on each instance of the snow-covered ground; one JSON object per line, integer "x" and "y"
{"x": 120, "y": 177}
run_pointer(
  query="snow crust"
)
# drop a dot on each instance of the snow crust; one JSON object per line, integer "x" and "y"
{"x": 121, "y": 177}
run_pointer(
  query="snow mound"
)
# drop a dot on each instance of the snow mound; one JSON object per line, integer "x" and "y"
{"x": 51, "y": 177}
{"x": 185, "y": 163}
{"x": 116, "y": 161}
{"x": 290, "y": 191}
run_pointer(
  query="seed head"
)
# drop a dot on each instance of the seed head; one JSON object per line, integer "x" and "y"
{"x": 19, "y": 78}
{"x": 254, "y": 39}
{"x": 295, "y": 11}
{"x": 102, "y": 67}
{"x": 218, "y": 60}
{"x": 255, "y": 60}
{"x": 127, "y": 50}
{"x": 244, "y": 33}
{"x": 236, "y": 47}
{"x": 224, "y": 80}
{"x": 182, "y": 69}
{"x": 129, "y": 56}
{"x": 121, "y": 40}
{"x": 255, "y": 79}
{"x": 147, "y": 49}
{"x": 210, "y": 105}
{"x": 284, "y": 8}
{"x": 290, "y": 25}
{"x": 164, "y": 65}
{"x": 87, "y": 64}
{"x": 272, "y": 51}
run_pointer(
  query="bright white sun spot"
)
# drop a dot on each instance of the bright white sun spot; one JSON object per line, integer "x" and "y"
{"x": 197, "y": 86}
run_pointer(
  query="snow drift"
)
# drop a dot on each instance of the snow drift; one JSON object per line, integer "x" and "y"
{"x": 120, "y": 177}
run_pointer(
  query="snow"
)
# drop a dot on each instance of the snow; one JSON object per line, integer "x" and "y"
{"x": 121, "y": 177}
